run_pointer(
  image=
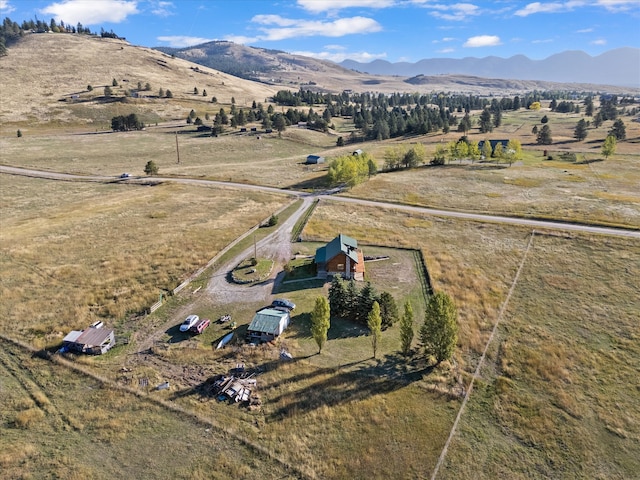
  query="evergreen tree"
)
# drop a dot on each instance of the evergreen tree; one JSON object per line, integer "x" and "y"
{"x": 588, "y": 106}
{"x": 485, "y": 121}
{"x": 195, "y": 90}
{"x": 19, "y": 133}
{"x": 374, "y": 322}
{"x": 337, "y": 297}
{"x": 497, "y": 118}
{"x": 114, "y": 83}
{"x": 618, "y": 130}
{"x": 439, "y": 333}
{"x": 580, "y": 132}
{"x": 320, "y": 321}
{"x": 366, "y": 297}
{"x": 151, "y": 168}
{"x": 161, "y": 93}
{"x": 406, "y": 328}
{"x": 544, "y": 136}
{"x": 388, "y": 310}
{"x": 107, "y": 92}
{"x": 168, "y": 94}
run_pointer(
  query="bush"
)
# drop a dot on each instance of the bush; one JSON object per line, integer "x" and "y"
{"x": 273, "y": 220}
{"x": 18, "y": 133}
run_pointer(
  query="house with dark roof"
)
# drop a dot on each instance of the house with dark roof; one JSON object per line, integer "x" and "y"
{"x": 267, "y": 324}
{"x": 493, "y": 144}
{"x": 94, "y": 340}
{"x": 340, "y": 256}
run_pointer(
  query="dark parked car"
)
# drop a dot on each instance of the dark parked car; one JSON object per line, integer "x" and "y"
{"x": 283, "y": 303}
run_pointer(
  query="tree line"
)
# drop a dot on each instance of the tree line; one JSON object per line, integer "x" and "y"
{"x": 11, "y": 31}
{"x": 438, "y": 332}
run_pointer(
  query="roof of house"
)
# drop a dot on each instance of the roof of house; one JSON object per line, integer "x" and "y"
{"x": 267, "y": 320}
{"x": 90, "y": 336}
{"x": 342, "y": 243}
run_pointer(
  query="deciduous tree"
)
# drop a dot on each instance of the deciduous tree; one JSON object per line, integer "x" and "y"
{"x": 439, "y": 333}
{"x": 609, "y": 146}
{"x": 406, "y": 328}
{"x": 320, "y": 321}
{"x": 374, "y": 322}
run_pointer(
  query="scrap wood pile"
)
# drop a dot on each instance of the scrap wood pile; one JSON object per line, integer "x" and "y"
{"x": 237, "y": 386}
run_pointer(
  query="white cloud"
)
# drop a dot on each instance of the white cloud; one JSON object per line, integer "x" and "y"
{"x": 545, "y": 40}
{"x": 446, "y": 50}
{"x": 483, "y": 41}
{"x": 339, "y": 56}
{"x": 6, "y": 7}
{"x": 599, "y": 41}
{"x": 279, "y": 28}
{"x": 617, "y": 5}
{"x": 162, "y": 9}
{"x": 551, "y": 7}
{"x": 585, "y": 30}
{"x": 319, "y": 6}
{"x": 91, "y": 12}
{"x": 181, "y": 41}
{"x": 241, "y": 39}
{"x": 453, "y": 12}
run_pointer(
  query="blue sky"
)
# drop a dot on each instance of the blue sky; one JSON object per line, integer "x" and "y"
{"x": 362, "y": 30}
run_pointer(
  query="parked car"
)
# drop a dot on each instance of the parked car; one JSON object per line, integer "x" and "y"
{"x": 125, "y": 175}
{"x": 283, "y": 303}
{"x": 199, "y": 327}
{"x": 189, "y": 322}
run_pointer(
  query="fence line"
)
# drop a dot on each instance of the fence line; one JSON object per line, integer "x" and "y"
{"x": 476, "y": 374}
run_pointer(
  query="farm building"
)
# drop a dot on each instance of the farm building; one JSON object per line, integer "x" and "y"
{"x": 314, "y": 159}
{"x": 94, "y": 340}
{"x": 267, "y": 325}
{"x": 340, "y": 256}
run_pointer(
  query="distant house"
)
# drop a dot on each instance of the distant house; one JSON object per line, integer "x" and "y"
{"x": 314, "y": 159}
{"x": 94, "y": 340}
{"x": 493, "y": 145}
{"x": 267, "y": 325}
{"x": 340, "y": 256}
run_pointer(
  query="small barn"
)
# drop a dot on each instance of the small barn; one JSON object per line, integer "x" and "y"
{"x": 94, "y": 340}
{"x": 314, "y": 159}
{"x": 267, "y": 325}
{"x": 340, "y": 256}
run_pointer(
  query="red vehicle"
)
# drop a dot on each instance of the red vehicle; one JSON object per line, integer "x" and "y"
{"x": 199, "y": 327}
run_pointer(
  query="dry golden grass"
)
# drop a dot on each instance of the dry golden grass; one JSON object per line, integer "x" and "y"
{"x": 36, "y": 92}
{"x": 74, "y": 252}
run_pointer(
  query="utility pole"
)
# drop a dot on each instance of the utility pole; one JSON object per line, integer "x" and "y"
{"x": 177, "y": 148}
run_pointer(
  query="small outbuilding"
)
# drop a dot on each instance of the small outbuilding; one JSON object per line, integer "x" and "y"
{"x": 94, "y": 340}
{"x": 267, "y": 325}
{"x": 314, "y": 159}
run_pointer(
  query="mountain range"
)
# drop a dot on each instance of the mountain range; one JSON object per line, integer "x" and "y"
{"x": 615, "y": 67}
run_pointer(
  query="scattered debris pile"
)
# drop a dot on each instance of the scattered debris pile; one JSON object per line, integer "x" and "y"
{"x": 239, "y": 386}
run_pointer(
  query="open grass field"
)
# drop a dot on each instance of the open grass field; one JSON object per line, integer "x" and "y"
{"x": 76, "y": 252}
{"x": 557, "y": 395}
{"x": 59, "y": 423}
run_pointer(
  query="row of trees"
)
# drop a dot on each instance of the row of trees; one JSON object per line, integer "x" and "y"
{"x": 123, "y": 123}
{"x": 350, "y": 170}
{"x": 438, "y": 333}
{"x": 348, "y": 302}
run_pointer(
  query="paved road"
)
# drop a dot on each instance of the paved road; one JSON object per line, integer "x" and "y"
{"x": 534, "y": 224}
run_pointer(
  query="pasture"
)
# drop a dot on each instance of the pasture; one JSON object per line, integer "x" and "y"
{"x": 555, "y": 392}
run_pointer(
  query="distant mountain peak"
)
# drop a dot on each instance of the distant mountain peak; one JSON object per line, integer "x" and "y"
{"x": 620, "y": 66}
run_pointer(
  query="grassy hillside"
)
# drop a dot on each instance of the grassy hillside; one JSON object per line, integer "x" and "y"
{"x": 44, "y": 81}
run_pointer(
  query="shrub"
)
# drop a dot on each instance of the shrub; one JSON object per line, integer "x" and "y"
{"x": 273, "y": 220}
